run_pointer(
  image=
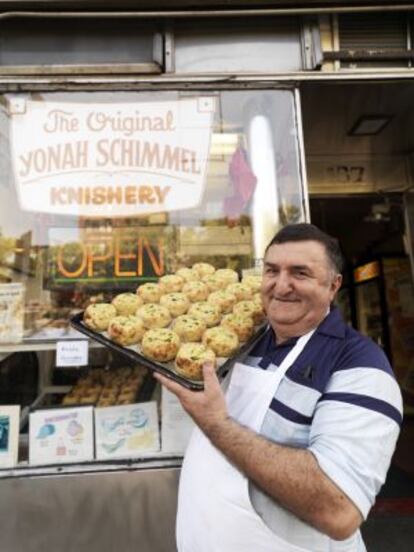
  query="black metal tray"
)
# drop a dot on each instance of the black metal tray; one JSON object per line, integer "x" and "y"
{"x": 165, "y": 369}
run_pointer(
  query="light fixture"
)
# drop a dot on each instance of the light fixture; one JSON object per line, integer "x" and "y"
{"x": 380, "y": 212}
{"x": 369, "y": 125}
{"x": 223, "y": 143}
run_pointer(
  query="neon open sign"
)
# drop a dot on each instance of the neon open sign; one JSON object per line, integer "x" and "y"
{"x": 109, "y": 257}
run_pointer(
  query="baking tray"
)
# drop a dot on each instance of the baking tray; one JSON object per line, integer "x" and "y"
{"x": 165, "y": 369}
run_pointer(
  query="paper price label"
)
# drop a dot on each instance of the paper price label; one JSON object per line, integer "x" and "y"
{"x": 72, "y": 353}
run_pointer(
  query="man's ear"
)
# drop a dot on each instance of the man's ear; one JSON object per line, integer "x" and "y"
{"x": 336, "y": 283}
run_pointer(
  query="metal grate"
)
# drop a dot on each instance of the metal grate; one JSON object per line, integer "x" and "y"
{"x": 385, "y": 31}
{"x": 373, "y": 32}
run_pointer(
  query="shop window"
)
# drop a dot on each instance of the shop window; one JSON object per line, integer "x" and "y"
{"x": 250, "y": 45}
{"x": 101, "y": 192}
{"x": 61, "y": 45}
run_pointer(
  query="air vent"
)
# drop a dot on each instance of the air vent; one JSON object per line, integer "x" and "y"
{"x": 385, "y": 32}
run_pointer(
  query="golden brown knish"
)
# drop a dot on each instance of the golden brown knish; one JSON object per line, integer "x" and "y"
{"x": 227, "y": 274}
{"x": 250, "y": 308}
{"x": 190, "y": 359}
{"x": 203, "y": 269}
{"x": 223, "y": 299}
{"x": 188, "y": 274}
{"x": 160, "y": 344}
{"x": 189, "y": 328}
{"x": 149, "y": 292}
{"x": 126, "y": 330}
{"x": 98, "y": 315}
{"x": 223, "y": 341}
{"x": 196, "y": 291}
{"x": 214, "y": 283}
{"x": 127, "y": 303}
{"x": 171, "y": 283}
{"x": 241, "y": 324}
{"x": 177, "y": 303}
{"x": 210, "y": 314}
{"x": 154, "y": 315}
{"x": 241, "y": 291}
{"x": 254, "y": 281}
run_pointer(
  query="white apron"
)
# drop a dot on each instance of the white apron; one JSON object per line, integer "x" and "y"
{"x": 215, "y": 513}
{"x": 214, "y": 509}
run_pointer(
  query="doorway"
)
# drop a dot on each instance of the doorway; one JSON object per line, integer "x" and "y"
{"x": 359, "y": 150}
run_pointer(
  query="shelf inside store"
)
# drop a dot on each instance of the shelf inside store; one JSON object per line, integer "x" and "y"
{"x": 32, "y": 345}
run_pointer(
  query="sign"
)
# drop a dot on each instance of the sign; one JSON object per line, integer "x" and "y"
{"x": 366, "y": 272}
{"x": 9, "y": 435}
{"x": 126, "y": 431}
{"x": 72, "y": 353}
{"x": 110, "y": 160}
{"x": 109, "y": 257}
{"x": 177, "y": 425}
{"x": 356, "y": 174}
{"x": 11, "y": 312}
{"x": 61, "y": 435}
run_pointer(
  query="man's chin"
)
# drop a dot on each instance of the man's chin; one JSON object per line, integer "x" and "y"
{"x": 285, "y": 321}
{"x": 285, "y": 312}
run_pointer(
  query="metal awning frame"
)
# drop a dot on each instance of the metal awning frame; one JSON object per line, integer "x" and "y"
{"x": 193, "y": 81}
{"x": 199, "y": 12}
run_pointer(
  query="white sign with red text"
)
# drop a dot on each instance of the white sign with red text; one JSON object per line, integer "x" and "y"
{"x": 109, "y": 160}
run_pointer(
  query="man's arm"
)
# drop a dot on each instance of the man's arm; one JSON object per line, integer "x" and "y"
{"x": 291, "y": 476}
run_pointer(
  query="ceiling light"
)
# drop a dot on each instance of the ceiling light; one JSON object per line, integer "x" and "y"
{"x": 368, "y": 125}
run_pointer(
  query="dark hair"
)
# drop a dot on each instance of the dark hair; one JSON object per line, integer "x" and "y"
{"x": 310, "y": 232}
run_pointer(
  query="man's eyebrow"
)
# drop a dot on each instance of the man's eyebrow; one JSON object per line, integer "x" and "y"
{"x": 291, "y": 267}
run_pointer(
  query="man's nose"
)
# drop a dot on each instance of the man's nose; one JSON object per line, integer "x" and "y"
{"x": 283, "y": 283}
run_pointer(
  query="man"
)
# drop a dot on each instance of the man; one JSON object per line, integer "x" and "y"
{"x": 291, "y": 456}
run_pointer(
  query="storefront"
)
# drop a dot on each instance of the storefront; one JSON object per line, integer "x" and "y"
{"x": 134, "y": 143}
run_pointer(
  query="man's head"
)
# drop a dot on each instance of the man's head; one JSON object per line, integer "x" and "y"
{"x": 301, "y": 275}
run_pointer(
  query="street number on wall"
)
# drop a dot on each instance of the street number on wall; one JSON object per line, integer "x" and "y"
{"x": 346, "y": 173}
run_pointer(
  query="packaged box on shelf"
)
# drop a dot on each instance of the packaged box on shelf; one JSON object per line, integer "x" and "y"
{"x": 11, "y": 312}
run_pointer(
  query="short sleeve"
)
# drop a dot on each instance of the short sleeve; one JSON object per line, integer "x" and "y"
{"x": 355, "y": 429}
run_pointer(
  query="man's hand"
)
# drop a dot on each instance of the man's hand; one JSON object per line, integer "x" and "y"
{"x": 207, "y": 408}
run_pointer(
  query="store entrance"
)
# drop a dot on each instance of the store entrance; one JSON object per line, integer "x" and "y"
{"x": 359, "y": 152}
{"x": 377, "y": 275}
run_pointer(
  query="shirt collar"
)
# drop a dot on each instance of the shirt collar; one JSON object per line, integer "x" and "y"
{"x": 288, "y": 343}
{"x": 333, "y": 324}
{"x": 271, "y": 340}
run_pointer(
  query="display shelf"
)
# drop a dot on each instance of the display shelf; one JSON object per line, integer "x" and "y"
{"x": 6, "y": 350}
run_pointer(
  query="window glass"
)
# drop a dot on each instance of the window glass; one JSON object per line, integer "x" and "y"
{"x": 100, "y": 192}
{"x": 238, "y": 45}
{"x": 58, "y": 41}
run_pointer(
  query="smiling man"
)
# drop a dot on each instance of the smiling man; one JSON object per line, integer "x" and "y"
{"x": 290, "y": 453}
{"x": 298, "y": 286}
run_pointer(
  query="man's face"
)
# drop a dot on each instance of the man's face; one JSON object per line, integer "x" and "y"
{"x": 298, "y": 286}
